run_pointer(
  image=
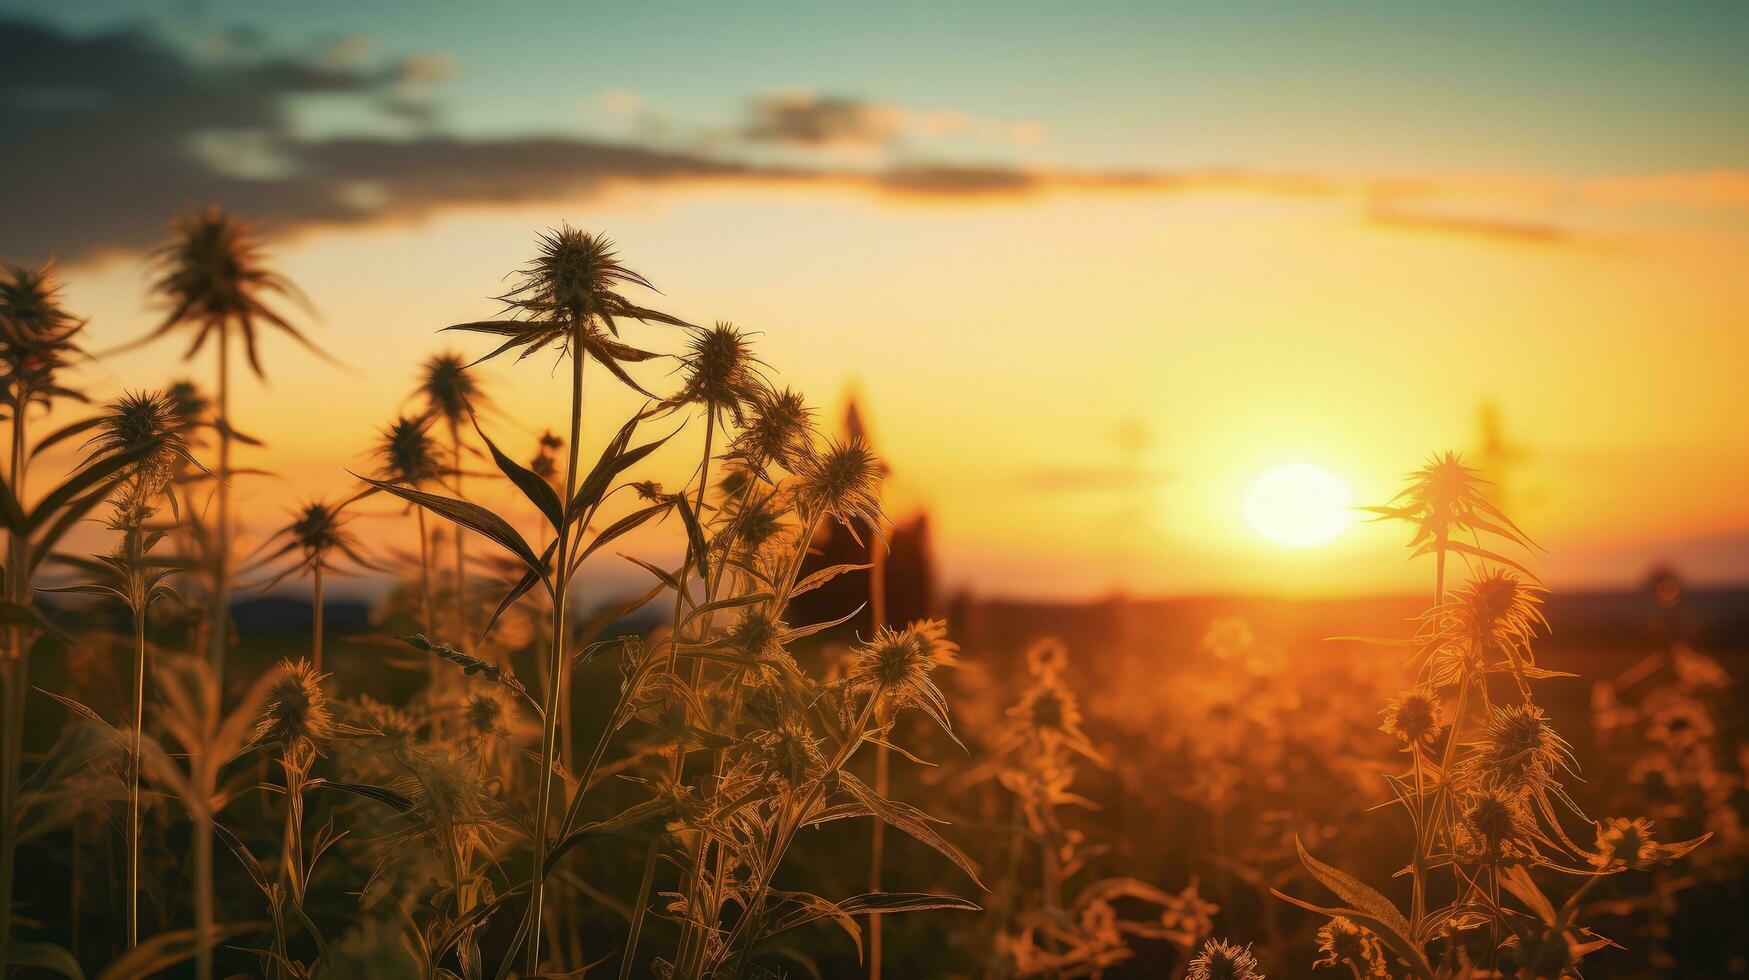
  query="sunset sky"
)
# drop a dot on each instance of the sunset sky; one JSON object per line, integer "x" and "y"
{"x": 1092, "y": 269}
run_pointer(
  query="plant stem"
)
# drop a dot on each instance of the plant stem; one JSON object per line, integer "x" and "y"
{"x": 877, "y": 608}
{"x": 317, "y": 609}
{"x": 792, "y": 822}
{"x": 133, "y": 903}
{"x": 461, "y": 551}
{"x": 555, "y": 656}
{"x": 218, "y": 631}
{"x": 17, "y": 679}
{"x": 425, "y": 586}
{"x": 203, "y": 891}
{"x": 625, "y": 966}
{"x": 690, "y": 936}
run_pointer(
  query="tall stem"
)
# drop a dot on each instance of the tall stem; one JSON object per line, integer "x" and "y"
{"x": 461, "y": 549}
{"x": 690, "y": 934}
{"x": 218, "y": 630}
{"x": 877, "y": 610}
{"x": 1418, "y": 868}
{"x": 317, "y": 608}
{"x": 425, "y": 585}
{"x": 555, "y": 657}
{"x": 17, "y": 680}
{"x": 791, "y": 822}
{"x": 218, "y": 639}
{"x": 134, "y": 775}
{"x": 203, "y": 891}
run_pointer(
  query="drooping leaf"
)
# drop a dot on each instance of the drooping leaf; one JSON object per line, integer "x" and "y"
{"x": 167, "y": 949}
{"x": 471, "y": 516}
{"x": 538, "y": 491}
{"x": 41, "y": 956}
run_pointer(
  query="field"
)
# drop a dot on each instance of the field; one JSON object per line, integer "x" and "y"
{"x": 782, "y": 755}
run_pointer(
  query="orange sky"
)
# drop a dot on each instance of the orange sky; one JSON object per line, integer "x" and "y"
{"x": 1094, "y": 271}
{"x": 1081, "y": 386}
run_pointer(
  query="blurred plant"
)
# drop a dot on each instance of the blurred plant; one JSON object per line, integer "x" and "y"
{"x": 316, "y": 535}
{"x": 407, "y": 456}
{"x": 452, "y": 393}
{"x": 216, "y": 281}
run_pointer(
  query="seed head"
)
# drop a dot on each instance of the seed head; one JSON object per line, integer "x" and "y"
{"x": 1516, "y": 750}
{"x": 296, "y": 716}
{"x": 36, "y": 335}
{"x": 842, "y": 481}
{"x": 895, "y": 667}
{"x": 1344, "y": 943}
{"x": 407, "y": 454}
{"x": 448, "y": 387}
{"x": 1221, "y": 960}
{"x": 719, "y": 372}
{"x": 145, "y": 422}
{"x": 484, "y": 714}
{"x": 1413, "y": 717}
{"x": 1446, "y": 498}
{"x": 779, "y": 430}
{"x": 1496, "y": 826}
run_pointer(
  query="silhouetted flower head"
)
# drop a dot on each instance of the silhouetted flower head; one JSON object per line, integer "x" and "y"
{"x": 718, "y": 371}
{"x": 545, "y": 463}
{"x": 214, "y": 276}
{"x": 567, "y": 289}
{"x": 146, "y": 423}
{"x": 1495, "y": 826}
{"x": 192, "y": 406}
{"x": 779, "y": 430}
{"x": 484, "y": 714}
{"x": 1344, "y": 943}
{"x": 1413, "y": 717}
{"x": 842, "y": 481}
{"x": 295, "y": 716}
{"x": 1445, "y": 498}
{"x": 316, "y": 532}
{"x": 448, "y": 387}
{"x": 1047, "y": 658}
{"x": 1516, "y": 749}
{"x": 895, "y": 666}
{"x": 36, "y": 336}
{"x": 406, "y": 453}
{"x": 1221, "y": 960}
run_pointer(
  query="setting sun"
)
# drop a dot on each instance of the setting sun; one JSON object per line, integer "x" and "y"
{"x": 1299, "y": 505}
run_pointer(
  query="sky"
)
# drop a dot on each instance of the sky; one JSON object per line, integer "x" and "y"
{"x": 1092, "y": 270}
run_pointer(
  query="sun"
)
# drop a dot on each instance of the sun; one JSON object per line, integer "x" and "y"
{"x": 1299, "y": 505}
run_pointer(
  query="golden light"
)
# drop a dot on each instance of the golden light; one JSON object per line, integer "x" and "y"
{"x": 1299, "y": 505}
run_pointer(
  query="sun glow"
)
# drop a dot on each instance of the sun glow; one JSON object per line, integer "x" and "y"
{"x": 1299, "y": 505}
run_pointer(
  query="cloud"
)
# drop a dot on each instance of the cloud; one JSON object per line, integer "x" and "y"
{"x": 1704, "y": 190}
{"x": 813, "y": 121}
{"x": 105, "y": 137}
{"x": 808, "y": 121}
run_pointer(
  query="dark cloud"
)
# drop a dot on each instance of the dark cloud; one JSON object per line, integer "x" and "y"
{"x": 816, "y": 121}
{"x": 103, "y": 138}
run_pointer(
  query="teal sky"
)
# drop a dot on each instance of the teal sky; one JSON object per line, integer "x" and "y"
{"x": 1558, "y": 89}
